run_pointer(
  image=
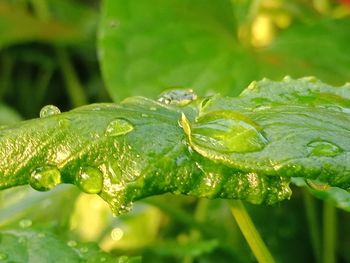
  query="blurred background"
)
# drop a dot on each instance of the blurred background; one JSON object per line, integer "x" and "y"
{"x": 70, "y": 53}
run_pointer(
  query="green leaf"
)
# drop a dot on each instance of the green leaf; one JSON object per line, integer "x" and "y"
{"x": 238, "y": 148}
{"x": 35, "y": 246}
{"x": 18, "y": 26}
{"x": 147, "y": 47}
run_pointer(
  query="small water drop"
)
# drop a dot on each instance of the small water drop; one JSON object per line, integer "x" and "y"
{"x": 3, "y": 256}
{"x": 49, "y": 110}
{"x": 323, "y": 148}
{"x": 90, "y": 180}
{"x": 117, "y": 234}
{"x": 119, "y": 127}
{"x": 72, "y": 243}
{"x": 180, "y": 97}
{"x": 227, "y": 131}
{"x": 45, "y": 178}
{"x": 84, "y": 249}
{"x": 25, "y": 223}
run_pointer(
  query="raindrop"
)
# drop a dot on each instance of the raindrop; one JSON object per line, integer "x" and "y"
{"x": 180, "y": 97}
{"x": 119, "y": 127}
{"x": 84, "y": 250}
{"x": 117, "y": 233}
{"x": 90, "y": 180}
{"x": 49, "y": 110}
{"x": 25, "y": 223}
{"x": 3, "y": 256}
{"x": 323, "y": 148}
{"x": 45, "y": 178}
{"x": 227, "y": 131}
{"x": 72, "y": 243}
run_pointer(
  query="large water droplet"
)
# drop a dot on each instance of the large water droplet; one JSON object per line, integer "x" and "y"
{"x": 180, "y": 97}
{"x": 3, "y": 256}
{"x": 49, "y": 110}
{"x": 323, "y": 148}
{"x": 45, "y": 178}
{"x": 119, "y": 127}
{"x": 90, "y": 180}
{"x": 25, "y": 223}
{"x": 227, "y": 131}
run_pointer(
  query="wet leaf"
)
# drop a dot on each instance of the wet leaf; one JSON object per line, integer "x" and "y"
{"x": 246, "y": 147}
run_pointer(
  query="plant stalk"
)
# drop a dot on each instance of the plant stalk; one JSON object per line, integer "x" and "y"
{"x": 250, "y": 233}
{"x": 329, "y": 233}
{"x": 313, "y": 225}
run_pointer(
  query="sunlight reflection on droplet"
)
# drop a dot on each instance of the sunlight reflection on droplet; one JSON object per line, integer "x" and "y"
{"x": 117, "y": 233}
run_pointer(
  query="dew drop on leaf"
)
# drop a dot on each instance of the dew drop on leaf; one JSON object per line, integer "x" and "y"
{"x": 227, "y": 131}
{"x": 119, "y": 127}
{"x": 45, "y": 178}
{"x": 180, "y": 97}
{"x": 323, "y": 148}
{"x": 72, "y": 243}
{"x": 90, "y": 180}
{"x": 84, "y": 250}
{"x": 3, "y": 256}
{"x": 117, "y": 233}
{"x": 25, "y": 223}
{"x": 49, "y": 110}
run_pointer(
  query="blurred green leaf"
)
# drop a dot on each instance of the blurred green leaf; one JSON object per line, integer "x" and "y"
{"x": 145, "y": 47}
{"x": 18, "y": 26}
{"x": 8, "y": 115}
{"x": 335, "y": 195}
{"x": 192, "y": 248}
{"x": 34, "y": 246}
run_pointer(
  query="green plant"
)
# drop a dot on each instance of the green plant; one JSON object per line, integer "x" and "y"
{"x": 274, "y": 139}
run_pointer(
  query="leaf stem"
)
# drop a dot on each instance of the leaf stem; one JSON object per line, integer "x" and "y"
{"x": 329, "y": 232}
{"x": 250, "y": 233}
{"x": 313, "y": 224}
{"x": 73, "y": 85}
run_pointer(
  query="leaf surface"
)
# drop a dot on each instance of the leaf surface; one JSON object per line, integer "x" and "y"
{"x": 246, "y": 148}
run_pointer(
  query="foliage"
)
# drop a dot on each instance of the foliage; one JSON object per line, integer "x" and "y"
{"x": 48, "y": 55}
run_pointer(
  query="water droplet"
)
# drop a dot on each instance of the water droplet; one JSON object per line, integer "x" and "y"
{"x": 72, "y": 243}
{"x": 119, "y": 127}
{"x": 226, "y": 131}
{"x": 316, "y": 185}
{"x": 3, "y": 256}
{"x": 84, "y": 249}
{"x": 90, "y": 180}
{"x": 49, "y": 110}
{"x": 323, "y": 148}
{"x": 117, "y": 233}
{"x": 45, "y": 178}
{"x": 25, "y": 223}
{"x": 180, "y": 97}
